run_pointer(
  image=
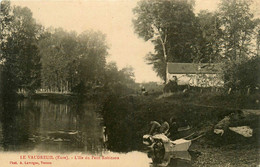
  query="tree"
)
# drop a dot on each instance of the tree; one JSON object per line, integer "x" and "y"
{"x": 19, "y": 49}
{"x": 207, "y": 46}
{"x": 117, "y": 81}
{"x": 124, "y": 76}
{"x": 243, "y": 76}
{"x": 169, "y": 25}
{"x": 111, "y": 73}
{"x": 92, "y": 51}
{"x": 5, "y": 21}
{"x": 238, "y": 27}
{"x": 158, "y": 62}
{"x": 58, "y": 50}
{"x": 127, "y": 76}
{"x": 9, "y": 85}
{"x": 72, "y": 62}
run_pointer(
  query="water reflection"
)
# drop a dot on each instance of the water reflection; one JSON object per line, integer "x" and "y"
{"x": 45, "y": 126}
{"x": 41, "y": 125}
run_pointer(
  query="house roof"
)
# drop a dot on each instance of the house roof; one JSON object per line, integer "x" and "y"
{"x": 193, "y": 68}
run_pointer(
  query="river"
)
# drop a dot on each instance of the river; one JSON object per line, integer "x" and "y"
{"x": 41, "y": 125}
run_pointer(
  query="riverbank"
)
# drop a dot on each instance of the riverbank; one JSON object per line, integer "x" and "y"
{"x": 200, "y": 111}
{"x": 127, "y": 120}
{"x": 59, "y": 97}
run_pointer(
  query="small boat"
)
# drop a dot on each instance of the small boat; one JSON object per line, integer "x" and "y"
{"x": 160, "y": 142}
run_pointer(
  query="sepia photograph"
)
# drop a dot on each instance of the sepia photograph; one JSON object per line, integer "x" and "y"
{"x": 130, "y": 83}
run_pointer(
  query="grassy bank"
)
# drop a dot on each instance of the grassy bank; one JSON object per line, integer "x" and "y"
{"x": 217, "y": 99}
{"x": 128, "y": 120}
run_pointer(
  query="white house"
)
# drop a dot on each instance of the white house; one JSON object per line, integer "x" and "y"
{"x": 194, "y": 74}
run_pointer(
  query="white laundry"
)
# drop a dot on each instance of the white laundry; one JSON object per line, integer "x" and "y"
{"x": 245, "y": 131}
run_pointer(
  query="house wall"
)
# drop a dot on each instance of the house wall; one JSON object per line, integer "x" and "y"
{"x": 198, "y": 80}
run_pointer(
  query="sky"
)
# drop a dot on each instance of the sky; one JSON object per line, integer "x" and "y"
{"x": 111, "y": 17}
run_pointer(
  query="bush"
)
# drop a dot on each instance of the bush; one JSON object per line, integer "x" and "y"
{"x": 171, "y": 86}
{"x": 243, "y": 76}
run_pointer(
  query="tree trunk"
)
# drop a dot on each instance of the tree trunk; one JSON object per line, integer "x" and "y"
{"x": 164, "y": 55}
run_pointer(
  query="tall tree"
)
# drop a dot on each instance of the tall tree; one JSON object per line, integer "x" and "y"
{"x": 9, "y": 85}
{"x": 58, "y": 50}
{"x": 127, "y": 76}
{"x": 119, "y": 81}
{"x": 71, "y": 61}
{"x": 207, "y": 46}
{"x": 169, "y": 25}
{"x": 20, "y": 51}
{"x": 92, "y": 51}
{"x": 238, "y": 27}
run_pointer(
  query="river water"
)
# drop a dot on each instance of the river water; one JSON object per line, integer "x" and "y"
{"x": 66, "y": 127}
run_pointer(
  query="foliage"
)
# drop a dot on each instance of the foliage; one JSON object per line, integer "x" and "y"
{"x": 57, "y": 50}
{"x": 237, "y": 25}
{"x": 19, "y": 48}
{"x": 158, "y": 62}
{"x": 207, "y": 46}
{"x": 53, "y": 59}
{"x": 169, "y": 25}
{"x": 92, "y": 55}
{"x": 242, "y": 76}
{"x": 119, "y": 82}
{"x": 6, "y": 17}
{"x": 71, "y": 62}
{"x": 179, "y": 36}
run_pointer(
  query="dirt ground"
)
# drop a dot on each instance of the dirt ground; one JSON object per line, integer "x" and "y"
{"x": 226, "y": 156}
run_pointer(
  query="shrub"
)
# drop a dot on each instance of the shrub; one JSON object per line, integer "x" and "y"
{"x": 171, "y": 86}
{"x": 243, "y": 76}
